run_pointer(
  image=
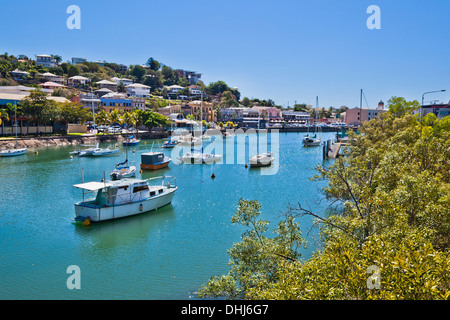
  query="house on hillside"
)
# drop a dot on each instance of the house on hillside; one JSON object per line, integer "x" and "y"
{"x": 138, "y": 90}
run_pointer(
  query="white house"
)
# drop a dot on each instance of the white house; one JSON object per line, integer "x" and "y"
{"x": 45, "y": 60}
{"x": 138, "y": 90}
{"x": 77, "y": 81}
{"x": 195, "y": 90}
{"x": 52, "y": 77}
{"x": 124, "y": 81}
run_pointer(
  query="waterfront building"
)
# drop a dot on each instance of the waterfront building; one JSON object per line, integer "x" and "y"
{"x": 296, "y": 117}
{"x": 356, "y": 116}
{"x": 138, "y": 90}
{"x": 116, "y": 101}
{"x": 46, "y": 61}
{"x": 441, "y": 110}
{"x": 138, "y": 103}
{"x": 208, "y": 110}
{"x": 86, "y": 99}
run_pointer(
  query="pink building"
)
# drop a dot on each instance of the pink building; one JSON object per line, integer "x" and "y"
{"x": 268, "y": 112}
{"x": 356, "y": 116}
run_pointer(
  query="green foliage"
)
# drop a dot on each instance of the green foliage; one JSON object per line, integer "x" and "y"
{"x": 391, "y": 194}
{"x": 255, "y": 261}
{"x": 152, "y": 120}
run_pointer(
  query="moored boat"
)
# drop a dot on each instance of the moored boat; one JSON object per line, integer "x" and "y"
{"x": 154, "y": 161}
{"x": 262, "y": 160}
{"x": 12, "y": 152}
{"x": 110, "y": 200}
{"x": 123, "y": 170}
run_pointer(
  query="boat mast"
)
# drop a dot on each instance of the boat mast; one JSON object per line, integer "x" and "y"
{"x": 93, "y": 117}
{"x": 15, "y": 120}
{"x": 360, "y": 107}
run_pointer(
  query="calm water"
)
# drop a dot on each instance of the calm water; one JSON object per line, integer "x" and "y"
{"x": 164, "y": 254}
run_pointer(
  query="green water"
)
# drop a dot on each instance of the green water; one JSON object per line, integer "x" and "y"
{"x": 164, "y": 254}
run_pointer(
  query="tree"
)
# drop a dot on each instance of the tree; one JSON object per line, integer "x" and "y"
{"x": 35, "y": 105}
{"x": 228, "y": 100}
{"x": 138, "y": 72}
{"x": 73, "y": 71}
{"x": 266, "y": 254}
{"x": 153, "y": 119}
{"x": 246, "y": 102}
{"x": 71, "y": 112}
{"x": 389, "y": 198}
{"x": 398, "y": 106}
{"x": 217, "y": 87}
{"x": 153, "y": 64}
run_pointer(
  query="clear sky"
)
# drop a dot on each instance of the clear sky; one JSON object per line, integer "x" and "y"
{"x": 284, "y": 50}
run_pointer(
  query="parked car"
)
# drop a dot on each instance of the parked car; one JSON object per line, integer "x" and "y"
{"x": 114, "y": 130}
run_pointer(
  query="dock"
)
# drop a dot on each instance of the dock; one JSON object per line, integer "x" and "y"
{"x": 332, "y": 148}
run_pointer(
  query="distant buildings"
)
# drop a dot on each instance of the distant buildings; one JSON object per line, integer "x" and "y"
{"x": 46, "y": 61}
{"x": 78, "y": 60}
{"x": 107, "y": 84}
{"x": 192, "y": 76}
{"x": 441, "y": 110}
{"x": 138, "y": 90}
{"x": 77, "y": 81}
{"x": 18, "y": 75}
{"x": 47, "y": 76}
{"x": 357, "y": 116}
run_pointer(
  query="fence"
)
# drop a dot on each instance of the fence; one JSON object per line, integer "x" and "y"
{"x": 26, "y": 130}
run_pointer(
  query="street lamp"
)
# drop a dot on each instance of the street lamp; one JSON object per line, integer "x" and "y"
{"x": 421, "y": 107}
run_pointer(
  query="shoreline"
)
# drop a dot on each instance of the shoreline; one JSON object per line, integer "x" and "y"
{"x": 54, "y": 141}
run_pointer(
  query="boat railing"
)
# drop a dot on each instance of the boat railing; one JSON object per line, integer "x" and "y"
{"x": 167, "y": 181}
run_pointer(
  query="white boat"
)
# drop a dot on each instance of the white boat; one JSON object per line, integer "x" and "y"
{"x": 103, "y": 152}
{"x": 200, "y": 158}
{"x": 189, "y": 140}
{"x": 15, "y": 151}
{"x": 95, "y": 150}
{"x": 262, "y": 160}
{"x": 123, "y": 170}
{"x": 122, "y": 198}
{"x": 313, "y": 141}
{"x": 12, "y": 152}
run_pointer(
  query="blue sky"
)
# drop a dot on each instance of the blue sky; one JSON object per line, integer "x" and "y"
{"x": 281, "y": 50}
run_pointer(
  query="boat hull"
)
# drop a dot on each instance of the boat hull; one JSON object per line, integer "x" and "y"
{"x": 155, "y": 166}
{"x": 104, "y": 213}
{"x": 13, "y": 152}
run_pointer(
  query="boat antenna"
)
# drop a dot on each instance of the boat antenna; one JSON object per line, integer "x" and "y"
{"x": 93, "y": 117}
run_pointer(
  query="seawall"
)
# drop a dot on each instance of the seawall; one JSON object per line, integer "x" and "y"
{"x": 50, "y": 141}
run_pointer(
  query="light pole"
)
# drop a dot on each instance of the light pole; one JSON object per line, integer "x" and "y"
{"x": 421, "y": 107}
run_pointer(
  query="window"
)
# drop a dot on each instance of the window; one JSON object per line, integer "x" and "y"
{"x": 140, "y": 188}
{"x": 152, "y": 193}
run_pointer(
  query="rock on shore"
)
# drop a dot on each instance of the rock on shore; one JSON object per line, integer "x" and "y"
{"x": 70, "y": 140}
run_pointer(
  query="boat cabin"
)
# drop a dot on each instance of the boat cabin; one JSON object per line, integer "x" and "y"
{"x": 114, "y": 193}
